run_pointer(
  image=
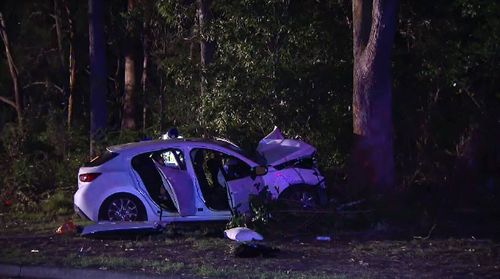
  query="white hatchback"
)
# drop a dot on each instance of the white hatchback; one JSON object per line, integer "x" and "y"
{"x": 179, "y": 180}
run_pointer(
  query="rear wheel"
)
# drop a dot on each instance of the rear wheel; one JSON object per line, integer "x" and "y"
{"x": 122, "y": 207}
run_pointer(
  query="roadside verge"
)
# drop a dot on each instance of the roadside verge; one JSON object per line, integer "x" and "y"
{"x": 26, "y": 271}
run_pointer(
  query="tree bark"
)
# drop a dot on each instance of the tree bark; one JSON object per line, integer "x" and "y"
{"x": 17, "y": 103}
{"x": 374, "y": 25}
{"x": 144, "y": 78}
{"x": 129, "y": 98}
{"x": 162, "y": 105}
{"x": 57, "y": 22}
{"x": 207, "y": 47}
{"x": 98, "y": 88}
{"x": 71, "y": 66}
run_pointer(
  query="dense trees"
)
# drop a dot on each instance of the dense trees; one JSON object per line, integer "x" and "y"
{"x": 258, "y": 63}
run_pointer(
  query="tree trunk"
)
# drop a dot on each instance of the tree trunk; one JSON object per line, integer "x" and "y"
{"x": 17, "y": 103}
{"x": 57, "y": 22}
{"x": 98, "y": 88}
{"x": 129, "y": 98}
{"x": 374, "y": 25}
{"x": 207, "y": 47}
{"x": 144, "y": 78}
{"x": 71, "y": 66}
{"x": 162, "y": 105}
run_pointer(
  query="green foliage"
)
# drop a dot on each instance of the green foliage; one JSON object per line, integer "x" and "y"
{"x": 446, "y": 57}
{"x": 277, "y": 63}
{"x": 262, "y": 206}
{"x": 260, "y": 216}
{"x": 60, "y": 203}
{"x": 237, "y": 220}
{"x": 42, "y": 159}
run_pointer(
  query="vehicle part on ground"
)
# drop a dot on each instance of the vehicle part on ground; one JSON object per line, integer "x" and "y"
{"x": 242, "y": 234}
{"x": 120, "y": 229}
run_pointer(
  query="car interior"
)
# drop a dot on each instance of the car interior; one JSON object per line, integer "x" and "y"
{"x": 211, "y": 168}
{"x": 144, "y": 165}
{"x": 208, "y": 167}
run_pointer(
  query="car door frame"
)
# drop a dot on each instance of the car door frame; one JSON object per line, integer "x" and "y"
{"x": 229, "y": 152}
{"x": 170, "y": 185}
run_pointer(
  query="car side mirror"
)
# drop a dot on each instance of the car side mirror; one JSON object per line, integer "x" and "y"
{"x": 258, "y": 171}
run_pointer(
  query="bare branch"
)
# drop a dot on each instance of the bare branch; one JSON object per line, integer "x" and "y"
{"x": 17, "y": 104}
{"x": 7, "y": 101}
{"x": 44, "y": 83}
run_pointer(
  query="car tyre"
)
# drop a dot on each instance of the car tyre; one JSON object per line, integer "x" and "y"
{"x": 122, "y": 207}
{"x": 297, "y": 200}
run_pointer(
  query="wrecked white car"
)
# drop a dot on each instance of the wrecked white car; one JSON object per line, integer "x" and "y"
{"x": 186, "y": 179}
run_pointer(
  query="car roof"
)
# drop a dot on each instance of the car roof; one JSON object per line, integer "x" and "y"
{"x": 149, "y": 145}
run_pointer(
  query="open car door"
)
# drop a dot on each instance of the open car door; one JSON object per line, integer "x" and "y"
{"x": 179, "y": 185}
{"x": 241, "y": 185}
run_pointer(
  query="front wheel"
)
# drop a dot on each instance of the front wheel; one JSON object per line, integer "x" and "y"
{"x": 122, "y": 208}
{"x": 299, "y": 199}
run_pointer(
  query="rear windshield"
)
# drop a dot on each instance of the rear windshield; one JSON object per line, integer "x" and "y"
{"x": 101, "y": 159}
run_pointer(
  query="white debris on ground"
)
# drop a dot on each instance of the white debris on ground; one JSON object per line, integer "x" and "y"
{"x": 242, "y": 234}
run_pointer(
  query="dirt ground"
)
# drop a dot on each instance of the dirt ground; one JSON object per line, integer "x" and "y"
{"x": 203, "y": 253}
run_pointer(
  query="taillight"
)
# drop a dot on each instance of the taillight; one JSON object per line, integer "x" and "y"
{"x": 88, "y": 177}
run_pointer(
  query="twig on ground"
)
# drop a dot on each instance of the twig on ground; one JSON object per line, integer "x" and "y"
{"x": 428, "y": 234}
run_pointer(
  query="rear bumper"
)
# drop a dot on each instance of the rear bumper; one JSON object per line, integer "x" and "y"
{"x": 80, "y": 212}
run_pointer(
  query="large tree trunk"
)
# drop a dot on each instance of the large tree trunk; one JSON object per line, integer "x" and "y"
{"x": 129, "y": 98}
{"x": 207, "y": 47}
{"x": 374, "y": 25}
{"x": 17, "y": 103}
{"x": 98, "y": 89}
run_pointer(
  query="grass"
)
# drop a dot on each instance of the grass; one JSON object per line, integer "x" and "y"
{"x": 35, "y": 223}
{"x": 17, "y": 256}
{"x": 123, "y": 263}
{"x": 207, "y": 244}
{"x": 207, "y": 270}
{"x": 193, "y": 253}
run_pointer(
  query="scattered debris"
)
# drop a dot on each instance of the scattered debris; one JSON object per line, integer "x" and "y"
{"x": 428, "y": 234}
{"x": 247, "y": 248}
{"x": 242, "y": 234}
{"x": 68, "y": 228}
{"x": 86, "y": 250}
{"x": 323, "y": 238}
{"x": 349, "y": 205}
